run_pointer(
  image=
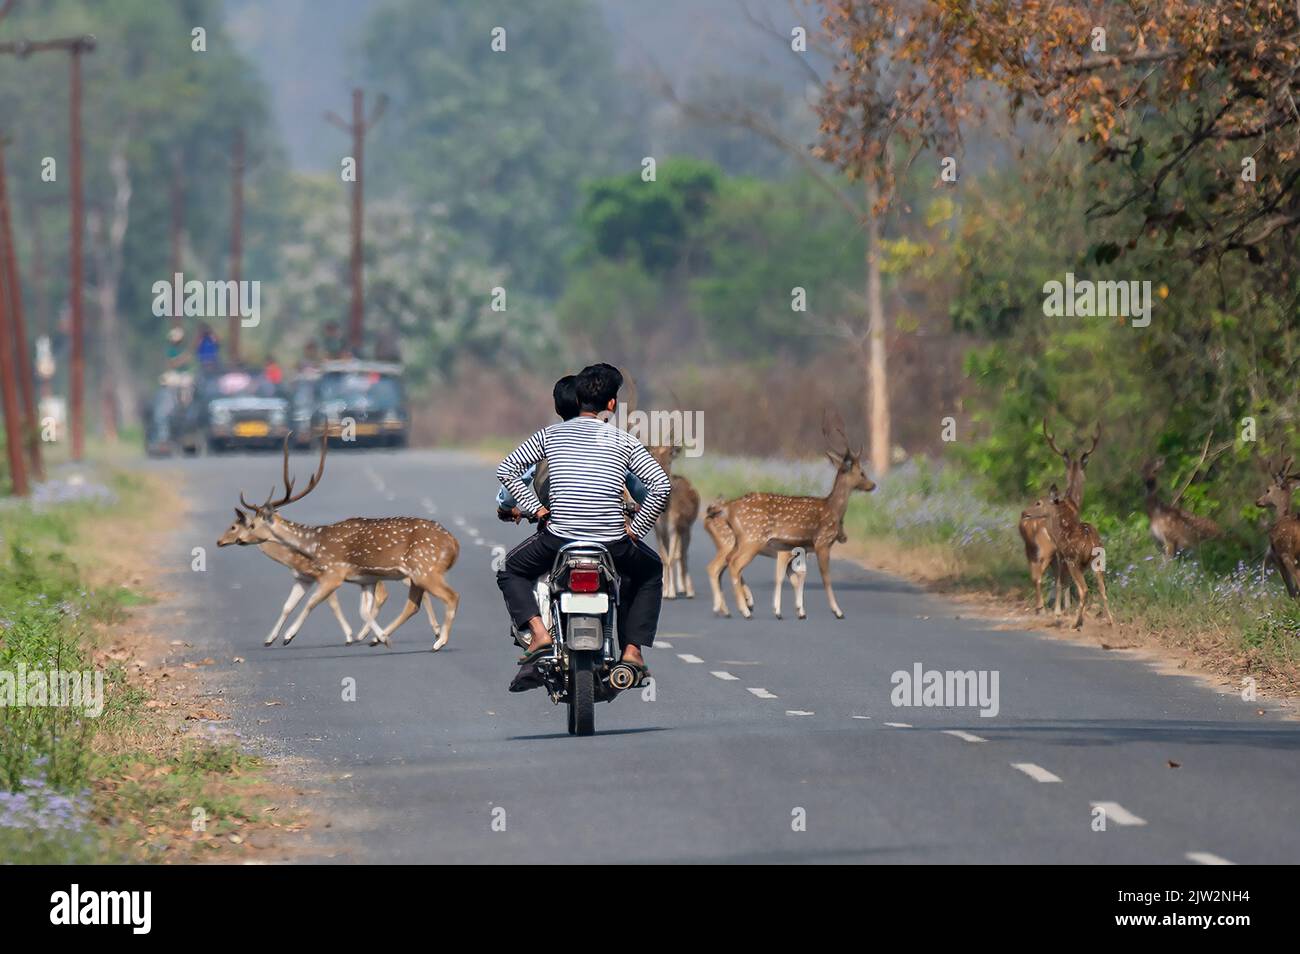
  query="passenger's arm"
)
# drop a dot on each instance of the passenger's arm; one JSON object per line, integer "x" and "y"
{"x": 511, "y": 472}
{"x": 657, "y": 484}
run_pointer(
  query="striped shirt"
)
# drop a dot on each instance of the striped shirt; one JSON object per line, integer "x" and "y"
{"x": 588, "y": 461}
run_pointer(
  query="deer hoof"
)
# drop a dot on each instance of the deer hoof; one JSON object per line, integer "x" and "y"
{"x": 777, "y": 615}
{"x": 803, "y": 615}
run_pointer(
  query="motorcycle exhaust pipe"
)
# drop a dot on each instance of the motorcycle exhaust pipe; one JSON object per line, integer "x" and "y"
{"x": 622, "y": 677}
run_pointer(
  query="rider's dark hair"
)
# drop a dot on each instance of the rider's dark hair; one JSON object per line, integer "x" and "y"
{"x": 598, "y": 384}
{"x": 566, "y": 397}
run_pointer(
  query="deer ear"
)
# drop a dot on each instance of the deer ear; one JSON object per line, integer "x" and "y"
{"x": 239, "y": 516}
{"x": 1055, "y": 493}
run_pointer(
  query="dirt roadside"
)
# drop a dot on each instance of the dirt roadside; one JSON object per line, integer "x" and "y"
{"x": 176, "y": 784}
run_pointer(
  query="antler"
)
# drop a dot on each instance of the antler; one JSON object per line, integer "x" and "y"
{"x": 289, "y": 496}
{"x": 1192, "y": 476}
{"x": 832, "y": 422}
{"x": 1096, "y": 436}
{"x": 1050, "y": 441}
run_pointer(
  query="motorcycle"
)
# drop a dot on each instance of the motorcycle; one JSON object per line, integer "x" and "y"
{"x": 578, "y": 603}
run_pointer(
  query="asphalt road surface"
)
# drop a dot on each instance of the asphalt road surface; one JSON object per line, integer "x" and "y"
{"x": 764, "y": 741}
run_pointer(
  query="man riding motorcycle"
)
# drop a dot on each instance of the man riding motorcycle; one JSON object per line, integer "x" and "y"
{"x": 588, "y": 460}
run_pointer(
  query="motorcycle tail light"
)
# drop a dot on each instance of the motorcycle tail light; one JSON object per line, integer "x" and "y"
{"x": 584, "y": 581}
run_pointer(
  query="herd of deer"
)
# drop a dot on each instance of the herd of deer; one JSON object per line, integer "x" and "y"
{"x": 1054, "y": 535}
{"x": 369, "y": 551}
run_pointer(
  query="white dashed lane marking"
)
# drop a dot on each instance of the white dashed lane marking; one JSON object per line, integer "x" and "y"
{"x": 762, "y": 693}
{"x": 662, "y": 645}
{"x": 689, "y": 658}
{"x": 798, "y": 712}
{"x": 724, "y": 676}
{"x": 1118, "y": 813}
{"x": 899, "y": 725}
{"x": 964, "y": 736}
{"x": 1205, "y": 858}
{"x": 861, "y": 717}
{"x": 1036, "y": 772}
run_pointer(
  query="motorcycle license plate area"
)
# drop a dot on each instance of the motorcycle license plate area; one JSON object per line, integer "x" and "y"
{"x": 586, "y": 603}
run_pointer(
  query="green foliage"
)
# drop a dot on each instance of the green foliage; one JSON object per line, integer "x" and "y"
{"x": 653, "y": 222}
{"x": 503, "y": 140}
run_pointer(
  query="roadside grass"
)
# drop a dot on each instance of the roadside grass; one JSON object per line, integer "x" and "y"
{"x": 930, "y": 523}
{"x": 78, "y": 785}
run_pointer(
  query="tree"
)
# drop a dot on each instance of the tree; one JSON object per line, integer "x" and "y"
{"x": 501, "y": 139}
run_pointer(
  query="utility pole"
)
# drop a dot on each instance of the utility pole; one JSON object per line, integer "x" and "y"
{"x": 358, "y": 129}
{"x": 75, "y": 46}
{"x": 18, "y": 321}
{"x": 9, "y": 395}
{"x": 236, "y": 239}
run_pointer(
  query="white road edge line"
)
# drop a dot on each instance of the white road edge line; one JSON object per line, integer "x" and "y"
{"x": 689, "y": 658}
{"x": 1036, "y": 772}
{"x": 762, "y": 693}
{"x": 964, "y": 735}
{"x": 1118, "y": 813}
{"x": 1205, "y": 858}
{"x": 725, "y": 676}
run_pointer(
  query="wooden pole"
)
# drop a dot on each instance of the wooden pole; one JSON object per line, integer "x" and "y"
{"x": 18, "y": 322}
{"x": 236, "y": 241}
{"x": 355, "y": 331}
{"x": 9, "y": 395}
{"x": 77, "y": 371}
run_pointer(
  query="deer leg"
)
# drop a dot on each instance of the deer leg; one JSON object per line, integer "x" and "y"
{"x": 1287, "y": 565}
{"x": 663, "y": 543}
{"x": 1101, "y": 590}
{"x": 741, "y": 557}
{"x": 324, "y": 587}
{"x": 1058, "y": 568}
{"x": 824, "y": 565}
{"x": 413, "y": 597}
{"x": 749, "y": 594}
{"x": 1082, "y": 587}
{"x": 333, "y": 601}
{"x": 1036, "y": 574}
{"x": 782, "y": 561}
{"x": 684, "y": 546}
{"x": 369, "y": 609}
{"x": 797, "y": 579}
{"x": 438, "y": 587}
{"x": 300, "y": 585}
{"x": 714, "y": 570}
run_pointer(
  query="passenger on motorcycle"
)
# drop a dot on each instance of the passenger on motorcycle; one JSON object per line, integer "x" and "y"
{"x": 588, "y": 460}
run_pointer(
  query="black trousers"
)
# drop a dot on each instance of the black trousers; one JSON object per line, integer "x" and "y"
{"x": 640, "y": 573}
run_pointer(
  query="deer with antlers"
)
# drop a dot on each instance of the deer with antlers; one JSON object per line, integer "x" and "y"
{"x": 1174, "y": 528}
{"x": 372, "y": 598}
{"x": 364, "y": 550}
{"x": 788, "y": 563}
{"x": 1076, "y": 546}
{"x": 673, "y": 529}
{"x": 1284, "y": 534}
{"x": 781, "y": 524}
{"x": 1040, "y": 552}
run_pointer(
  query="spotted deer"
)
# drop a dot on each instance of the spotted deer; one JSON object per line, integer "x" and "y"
{"x": 238, "y": 534}
{"x": 1284, "y": 534}
{"x": 1174, "y": 528}
{"x": 673, "y": 528}
{"x": 781, "y": 523}
{"x": 788, "y": 563}
{"x": 364, "y": 550}
{"x": 1039, "y": 550}
{"x": 1077, "y": 546}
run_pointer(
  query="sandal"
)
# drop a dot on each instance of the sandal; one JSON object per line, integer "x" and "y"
{"x": 535, "y": 654}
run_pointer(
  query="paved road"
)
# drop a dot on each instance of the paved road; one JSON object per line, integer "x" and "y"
{"x": 756, "y": 730}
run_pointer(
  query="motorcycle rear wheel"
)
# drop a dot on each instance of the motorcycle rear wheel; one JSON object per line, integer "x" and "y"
{"x": 582, "y": 694}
